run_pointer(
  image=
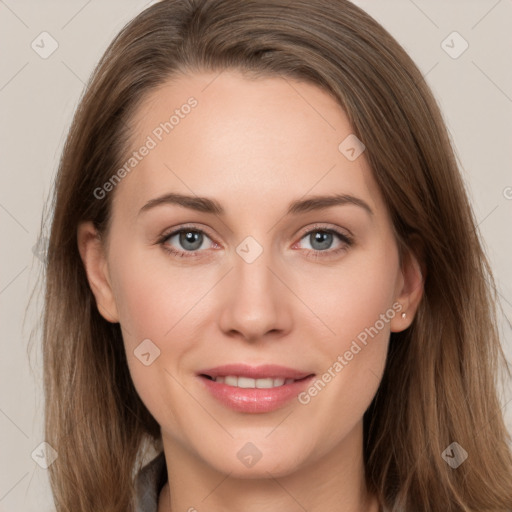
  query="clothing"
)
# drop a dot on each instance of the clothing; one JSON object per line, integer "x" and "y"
{"x": 150, "y": 480}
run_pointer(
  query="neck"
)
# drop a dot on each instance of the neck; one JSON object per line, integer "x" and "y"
{"x": 333, "y": 481}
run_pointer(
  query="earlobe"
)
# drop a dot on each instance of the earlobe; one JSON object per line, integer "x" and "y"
{"x": 94, "y": 259}
{"x": 410, "y": 291}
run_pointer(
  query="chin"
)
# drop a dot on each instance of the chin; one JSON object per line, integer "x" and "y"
{"x": 249, "y": 462}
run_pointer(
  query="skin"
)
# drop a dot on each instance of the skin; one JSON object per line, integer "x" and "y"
{"x": 254, "y": 145}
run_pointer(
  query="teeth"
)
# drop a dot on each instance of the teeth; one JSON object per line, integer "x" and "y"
{"x": 248, "y": 383}
{"x": 231, "y": 381}
{"x": 265, "y": 383}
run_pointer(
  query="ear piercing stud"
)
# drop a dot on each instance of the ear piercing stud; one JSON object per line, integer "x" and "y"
{"x": 404, "y": 315}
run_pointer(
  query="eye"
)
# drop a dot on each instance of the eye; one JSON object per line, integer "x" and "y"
{"x": 321, "y": 239}
{"x": 187, "y": 240}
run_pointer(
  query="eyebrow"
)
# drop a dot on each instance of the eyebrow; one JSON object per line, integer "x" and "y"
{"x": 207, "y": 205}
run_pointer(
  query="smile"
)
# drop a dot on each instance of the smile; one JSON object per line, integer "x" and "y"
{"x": 250, "y": 389}
{"x": 247, "y": 382}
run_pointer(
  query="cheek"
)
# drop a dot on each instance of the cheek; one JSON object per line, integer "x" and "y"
{"x": 352, "y": 296}
{"x": 140, "y": 302}
{"x": 359, "y": 308}
{"x": 368, "y": 311}
{"x": 152, "y": 297}
{"x": 159, "y": 303}
{"x": 153, "y": 305}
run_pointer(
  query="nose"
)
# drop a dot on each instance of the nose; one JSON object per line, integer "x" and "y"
{"x": 255, "y": 302}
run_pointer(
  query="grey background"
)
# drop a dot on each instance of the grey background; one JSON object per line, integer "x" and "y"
{"x": 38, "y": 97}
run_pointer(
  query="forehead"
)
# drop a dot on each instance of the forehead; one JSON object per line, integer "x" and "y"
{"x": 242, "y": 140}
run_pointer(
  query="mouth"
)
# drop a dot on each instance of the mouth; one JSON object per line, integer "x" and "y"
{"x": 250, "y": 383}
{"x": 254, "y": 389}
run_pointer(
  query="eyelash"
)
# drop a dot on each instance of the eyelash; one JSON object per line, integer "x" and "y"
{"x": 344, "y": 238}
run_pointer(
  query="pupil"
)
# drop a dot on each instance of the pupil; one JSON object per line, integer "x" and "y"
{"x": 194, "y": 238}
{"x": 323, "y": 238}
{"x": 191, "y": 237}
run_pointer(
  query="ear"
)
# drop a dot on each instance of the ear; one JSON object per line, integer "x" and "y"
{"x": 92, "y": 252}
{"x": 409, "y": 290}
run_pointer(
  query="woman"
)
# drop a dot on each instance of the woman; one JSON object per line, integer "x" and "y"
{"x": 185, "y": 315}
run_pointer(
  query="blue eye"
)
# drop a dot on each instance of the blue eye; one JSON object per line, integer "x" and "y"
{"x": 321, "y": 239}
{"x": 324, "y": 239}
{"x": 191, "y": 241}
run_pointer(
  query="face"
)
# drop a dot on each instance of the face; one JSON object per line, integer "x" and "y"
{"x": 259, "y": 275}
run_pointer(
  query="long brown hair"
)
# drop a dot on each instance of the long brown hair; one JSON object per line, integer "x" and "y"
{"x": 439, "y": 384}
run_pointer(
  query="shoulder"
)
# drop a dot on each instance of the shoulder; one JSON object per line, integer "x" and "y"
{"x": 149, "y": 481}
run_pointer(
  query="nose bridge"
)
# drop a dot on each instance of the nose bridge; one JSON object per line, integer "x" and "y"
{"x": 253, "y": 280}
{"x": 254, "y": 303}
{"x": 252, "y": 266}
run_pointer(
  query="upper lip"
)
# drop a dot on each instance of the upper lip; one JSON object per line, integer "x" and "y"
{"x": 255, "y": 372}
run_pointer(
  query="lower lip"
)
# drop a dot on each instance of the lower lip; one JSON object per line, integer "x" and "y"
{"x": 255, "y": 400}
